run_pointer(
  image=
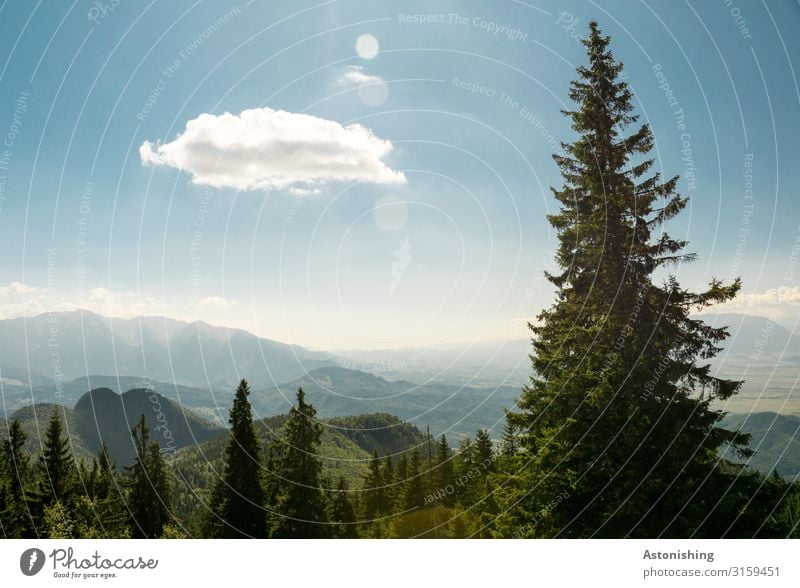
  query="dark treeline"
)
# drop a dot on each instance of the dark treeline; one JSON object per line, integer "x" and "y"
{"x": 617, "y": 434}
{"x": 430, "y": 490}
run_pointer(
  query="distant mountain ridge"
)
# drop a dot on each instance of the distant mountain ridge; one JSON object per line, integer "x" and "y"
{"x": 338, "y": 391}
{"x": 63, "y": 346}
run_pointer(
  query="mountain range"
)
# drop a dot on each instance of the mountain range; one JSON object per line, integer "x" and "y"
{"x": 63, "y": 346}
{"x": 193, "y": 368}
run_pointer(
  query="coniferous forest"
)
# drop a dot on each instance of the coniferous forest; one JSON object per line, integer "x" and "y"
{"x": 617, "y": 434}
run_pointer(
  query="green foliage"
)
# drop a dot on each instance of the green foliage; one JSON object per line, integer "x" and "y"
{"x": 375, "y": 501}
{"x": 381, "y": 432}
{"x": 342, "y": 513}
{"x": 15, "y": 474}
{"x": 424, "y": 523}
{"x": 618, "y": 416}
{"x": 414, "y": 490}
{"x": 301, "y": 506}
{"x": 149, "y": 484}
{"x": 444, "y": 475}
{"x": 56, "y": 465}
{"x": 58, "y": 522}
{"x": 774, "y": 439}
{"x": 238, "y": 496}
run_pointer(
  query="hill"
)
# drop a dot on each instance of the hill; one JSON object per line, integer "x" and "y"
{"x": 381, "y": 432}
{"x": 346, "y": 449}
{"x": 34, "y": 419}
{"x": 775, "y": 440}
{"x": 336, "y": 391}
{"x": 104, "y": 415}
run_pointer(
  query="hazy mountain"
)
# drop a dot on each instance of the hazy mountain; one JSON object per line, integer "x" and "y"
{"x": 69, "y": 345}
{"x": 337, "y": 391}
{"x": 492, "y": 363}
{"x": 754, "y": 335}
{"x": 486, "y": 363}
{"x": 766, "y": 357}
{"x": 775, "y": 439}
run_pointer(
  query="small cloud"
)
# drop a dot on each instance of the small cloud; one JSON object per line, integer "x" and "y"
{"x": 355, "y": 74}
{"x": 262, "y": 148}
{"x": 304, "y": 191}
{"x": 116, "y": 304}
{"x": 17, "y": 288}
{"x": 372, "y": 89}
{"x": 212, "y": 303}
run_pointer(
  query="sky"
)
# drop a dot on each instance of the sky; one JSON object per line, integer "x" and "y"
{"x": 365, "y": 174}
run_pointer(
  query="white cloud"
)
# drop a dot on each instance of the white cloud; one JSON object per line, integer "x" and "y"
{"x": 17, "y": 300}
{"x": 116, "y": 304}
{"x": 779, "y": 304}
{"x": 212, "y": 303}
{"x": 304, "y": 191}
{"x": 355, "y": 74}
{"x": 372, "y": 89}
{"x": 264, "y": 148}
{"x": 17, "y": 288}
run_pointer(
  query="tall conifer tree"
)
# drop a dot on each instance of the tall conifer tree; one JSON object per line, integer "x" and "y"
{"x": 239, "y": 496}
{"x": 374, "y": 489}
{"x": 414, "y": 491}
{"x": 15, "y": 473}
{"x": 343, "y": 514}
{"x": 301, "y": 507}
{"x": 150, "y": 488}
{"x": 56, "y": 465}
{"x": 617, "y": 423}
{"x": 445, "y": 473}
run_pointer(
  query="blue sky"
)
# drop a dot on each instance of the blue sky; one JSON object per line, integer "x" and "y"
{"x": 423, "y": 224}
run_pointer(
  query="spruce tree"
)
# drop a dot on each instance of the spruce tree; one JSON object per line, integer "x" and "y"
{"x": 109, "y": 516}
{"x": 150, "y": 488}
{"x": 466, "y": 470}
{"x": 374, "y": 489}
{"x": 273, "y": 484}
{"x": 301, "y": 507}
{"x": 57, "y": 469}
{"x": 445, "y": 474}
{"x": 402, "y": 469}
{"x": 617, "y": 424}
{"x": 15, "y": 471}
{"x": 484, "y": 449}
{"x": 239, "y": 496}
{"x": 390, "y": 487}
{"x": 414, "y": 491}
{"x": 510, "y": 443}
{"x": 343, "y": 514}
